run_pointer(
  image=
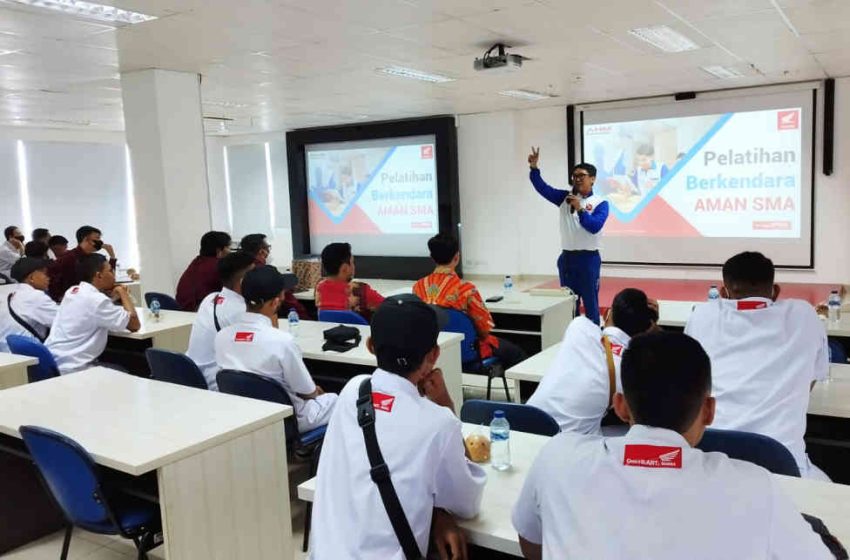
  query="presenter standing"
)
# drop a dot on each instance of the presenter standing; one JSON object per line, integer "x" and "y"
{"x": 583, "y": 214}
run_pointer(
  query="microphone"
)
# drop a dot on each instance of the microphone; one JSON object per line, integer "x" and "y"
{"x": 574, "y": 193}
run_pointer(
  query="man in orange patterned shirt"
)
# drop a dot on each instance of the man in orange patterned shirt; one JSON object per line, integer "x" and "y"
{"x": 445, "y": 288}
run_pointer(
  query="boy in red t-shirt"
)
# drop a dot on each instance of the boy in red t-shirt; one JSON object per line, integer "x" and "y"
{"x": 337, "y": 291}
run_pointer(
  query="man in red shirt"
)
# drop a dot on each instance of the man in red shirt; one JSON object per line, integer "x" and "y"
{"x": 445, "y": 288}
{"x": 201, "y": 277}
{"x": 256, "y": 244}
{"x": 337, "y": 291}
{"x": 63, "y": 271}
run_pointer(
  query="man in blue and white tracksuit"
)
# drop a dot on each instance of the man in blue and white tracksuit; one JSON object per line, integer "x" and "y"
{"x": 582, "y": 216}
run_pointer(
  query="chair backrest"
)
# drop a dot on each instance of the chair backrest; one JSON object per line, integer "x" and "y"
{"x": 521, "y": 417}
{"x": 166, "y": 302}
{"x": 347, "y": 317}
{"x": 174, "y": 367}
{"x": 70, "y": 474}
{"x": 5, "y": 279}
{"x": 260, "y": 387}
{"x": 28, "y": 346}
{"x": 459, "y": 322}
{"x": 753, "y": 448}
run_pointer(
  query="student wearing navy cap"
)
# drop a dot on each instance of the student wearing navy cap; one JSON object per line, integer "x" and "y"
{"x": 419, "y": 436}
{"x": 27, "y": 311}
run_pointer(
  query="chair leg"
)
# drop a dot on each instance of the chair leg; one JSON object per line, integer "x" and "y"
{"x": 66, "y": 544}
{"x": 308, "y": 518}
{"x": 489, "y": 383}
{"x": 505, "y": 383}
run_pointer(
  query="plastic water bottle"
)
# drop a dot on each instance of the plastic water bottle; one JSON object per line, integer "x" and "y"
{"x": 155, "y": 308}
{"x": 713, "y": 293}
{"x": 500, "y": 442}
{"x": 509, "y": 287}
{"x": 834, "y": 306}
{"x": 293, "y": 322}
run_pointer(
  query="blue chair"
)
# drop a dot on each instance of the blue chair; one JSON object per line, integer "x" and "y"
{"x": 166, "y": 302}
{"x": 174, "y": 367}
{"x": 521, "y": 417}
{"x": 254, "y": 386}
{"x": 28, "y": 346}
{"x": 837, "y": 353}
{"x": 470, "y": 358}
{"x": 71, "y": 476}
{"x": 346, "y": 317}
{"x": 753, "y": 448}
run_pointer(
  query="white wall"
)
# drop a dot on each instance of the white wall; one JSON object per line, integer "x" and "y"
{"x": 509, "y": 229}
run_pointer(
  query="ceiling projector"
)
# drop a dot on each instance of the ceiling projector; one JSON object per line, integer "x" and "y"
{"x": 499, "y": 62}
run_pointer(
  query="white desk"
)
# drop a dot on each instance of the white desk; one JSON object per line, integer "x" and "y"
{"x": 310, "y": 339}
{"x": 492, "y": 529}
{"x": 534, "y": 321}
{"x": 13, "y": 369}
{"x": 171, "y": 332}
{"x": 830, "y": 398}
{"x": 220, "y": 459}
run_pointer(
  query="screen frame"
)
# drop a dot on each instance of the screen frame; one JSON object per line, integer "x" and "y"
{"x": 576, "y": 138}
{"x": 444, "y": 130}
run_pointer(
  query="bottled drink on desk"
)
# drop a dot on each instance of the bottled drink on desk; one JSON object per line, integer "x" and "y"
{"x": 834, "y": 307}
{"x": 156, "y": 309}
{"x": 293, "y": 322}
{"x": 508, "y": 288}
{"x": 500, "y": 442}
{"x": 713, "y": 293}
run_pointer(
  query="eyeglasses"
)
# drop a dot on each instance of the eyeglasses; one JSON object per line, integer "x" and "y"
{"x": 580, "y": 176}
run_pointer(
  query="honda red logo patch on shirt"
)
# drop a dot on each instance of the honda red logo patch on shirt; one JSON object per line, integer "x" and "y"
{"x": 219, "y": 300}
{"x": 617, "y": 349}
{"x": 244, "y": 337}
{"x": 745, "y": 305}
{"x": 589, "y": 207}
{"x": 653, "y": 456}
{"x": 75, "y": 289}
{"x": 383, "y": 402}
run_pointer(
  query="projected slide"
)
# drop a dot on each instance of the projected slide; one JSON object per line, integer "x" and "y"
{"x": 729, "y": 175}
{"x": 372, "y": 188}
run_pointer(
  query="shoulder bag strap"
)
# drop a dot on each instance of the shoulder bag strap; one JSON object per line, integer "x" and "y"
{"x": 380, "y": 473}
{"x": 215, "y": 315}
{"x": 612, "y": 375}
{"x": 21, "y": 321}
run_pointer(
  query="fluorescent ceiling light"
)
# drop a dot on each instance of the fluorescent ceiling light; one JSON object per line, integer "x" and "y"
{"x": 664, "y": 38}
{"x": 722, "y": 72}
{"x": 88, "y": 10}
{"x": 402, "y": 72}
{"x": 525, "y": 94}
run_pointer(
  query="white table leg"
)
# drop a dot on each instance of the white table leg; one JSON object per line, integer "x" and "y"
{"x": 176, "y": 340}
{"x": 231, "y": 501}
{"x": 449, "y": 362}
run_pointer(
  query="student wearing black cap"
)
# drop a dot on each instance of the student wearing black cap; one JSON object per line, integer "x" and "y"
{"x": 419, "y": 437}
{"x": 256, "y": 345}
{"x": 27, "y": 311}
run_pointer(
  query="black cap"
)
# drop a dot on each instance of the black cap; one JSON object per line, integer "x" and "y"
{"x": 26, "y": 266}
{"x": 265, "y": 283}
{"x": 404, "y": 330}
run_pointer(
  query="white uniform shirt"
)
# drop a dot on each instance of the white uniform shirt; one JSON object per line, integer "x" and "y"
{"x": 82, "y": 325}
{"x": 422, "y": 445}
{"x": 764, "y": 357}
{"x": 589, "y": 497}
{"x": 573, "y": 235}
{"x": 33, "y": 306}
{"x": 252, "y": 344}
{"x": 231, "y": 306}
{"x": 574, "y": 390}
{"x": 9, "y": 255}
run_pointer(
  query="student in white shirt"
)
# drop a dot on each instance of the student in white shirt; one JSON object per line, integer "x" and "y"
{"x": 28, "y": 311}
{"x": 87, "y": 315}
{"x": 766, "y": 355}
{"x": 217, "y": 311}
{"x": 255, "y": 344}
{"x": 11, "y": 250}
{"x": 576, "y": 390}
{"x": 420, "y": 440}
{"x": 650, "y": 493}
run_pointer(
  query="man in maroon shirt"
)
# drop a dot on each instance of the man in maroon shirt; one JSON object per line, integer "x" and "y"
{"x": 201, "y": 276}
{"x": 63, "y": 271}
